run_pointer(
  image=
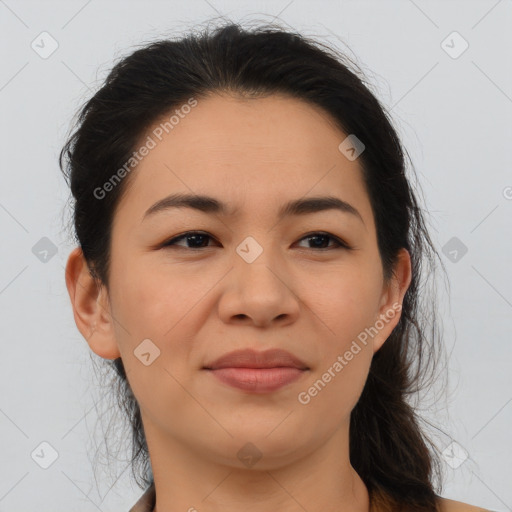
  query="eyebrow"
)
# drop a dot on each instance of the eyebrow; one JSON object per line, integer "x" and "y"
{"x": 207, "y": 204}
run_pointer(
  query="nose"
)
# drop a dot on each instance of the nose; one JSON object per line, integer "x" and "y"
{"x": 260, "y": 293}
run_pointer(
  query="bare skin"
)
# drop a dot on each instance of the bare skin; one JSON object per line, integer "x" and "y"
{"x": 196, "y": 304}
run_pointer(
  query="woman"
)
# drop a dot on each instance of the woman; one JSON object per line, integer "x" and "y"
{"x": 249, "y": 262}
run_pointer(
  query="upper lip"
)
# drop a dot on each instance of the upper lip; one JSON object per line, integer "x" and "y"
{"x": 250, "y": 358}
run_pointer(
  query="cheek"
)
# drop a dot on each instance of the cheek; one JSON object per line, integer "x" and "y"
{"x": 344, "y": 303}
{"x": 149, "y": 309}
{"x": 344, "y": 309}
{"x": 335, "y": 387}
{"x": 144, "y": 300}
{"x": 347, "y": 304}
{"x": 168, "y": 311}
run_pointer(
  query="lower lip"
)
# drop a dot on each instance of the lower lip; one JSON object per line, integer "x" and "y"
{"x": 258, "y": 380}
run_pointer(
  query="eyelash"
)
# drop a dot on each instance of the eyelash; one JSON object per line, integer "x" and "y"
{"x": 340, "y": 244}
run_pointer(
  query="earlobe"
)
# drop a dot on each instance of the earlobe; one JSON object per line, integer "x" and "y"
{"x": 392, "y": 298}
{"x": 91, "y": 308}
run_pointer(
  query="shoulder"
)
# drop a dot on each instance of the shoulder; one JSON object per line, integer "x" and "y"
{"x": 446, "y": 505}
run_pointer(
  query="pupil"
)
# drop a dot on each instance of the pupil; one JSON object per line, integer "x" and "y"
{"x": 195, "y": 237}
{"x": 317, "y": 237}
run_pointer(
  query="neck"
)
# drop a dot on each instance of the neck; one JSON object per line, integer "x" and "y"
{"x": 321, "y": 480}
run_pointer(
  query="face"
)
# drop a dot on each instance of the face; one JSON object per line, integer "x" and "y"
{"x": 309, "y": 282}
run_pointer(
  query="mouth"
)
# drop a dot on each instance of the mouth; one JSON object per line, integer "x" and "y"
{"x": 258, "y": 380}
{"x": 258, "y": 372}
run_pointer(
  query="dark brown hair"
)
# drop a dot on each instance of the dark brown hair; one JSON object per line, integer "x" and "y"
{"x": 388, "y": 448}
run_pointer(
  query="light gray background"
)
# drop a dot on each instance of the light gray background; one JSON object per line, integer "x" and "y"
{"x": 454, "y": 116}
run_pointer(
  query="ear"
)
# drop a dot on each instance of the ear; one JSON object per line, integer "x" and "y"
{"x": 393, "y": 293}
{"x": 91, "y": 307}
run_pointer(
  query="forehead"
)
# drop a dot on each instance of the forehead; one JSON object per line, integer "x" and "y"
{"x": 258, "y": 152}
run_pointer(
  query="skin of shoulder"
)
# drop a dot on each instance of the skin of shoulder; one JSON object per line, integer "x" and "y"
{"x": 447, "y": 505}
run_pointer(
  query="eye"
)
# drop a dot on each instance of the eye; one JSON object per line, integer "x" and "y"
{"x": 319, "y": 239}
{"x": 196, "y": 237}
{"x": 198, "y": 240}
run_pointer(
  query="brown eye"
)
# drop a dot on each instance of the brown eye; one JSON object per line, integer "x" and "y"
{"x": 195, "y": 239}
{"x": 321, "y": 241}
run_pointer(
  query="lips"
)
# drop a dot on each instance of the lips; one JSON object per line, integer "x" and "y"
{"x": 248, "y": 358}
{"x": 257, "y": 372}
